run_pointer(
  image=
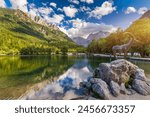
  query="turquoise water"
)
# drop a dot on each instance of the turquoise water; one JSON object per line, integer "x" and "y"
{"x": 19, "y": 75}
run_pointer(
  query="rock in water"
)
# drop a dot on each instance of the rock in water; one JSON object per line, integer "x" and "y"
{"x": 101, "y": 89}
{"x": 111, "y": 78}
{"x": 141, "y": 87}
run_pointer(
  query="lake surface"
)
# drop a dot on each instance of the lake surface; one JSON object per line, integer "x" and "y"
{"x": 48, "y": 77}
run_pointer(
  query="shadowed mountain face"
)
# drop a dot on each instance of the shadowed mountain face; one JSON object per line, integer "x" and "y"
{"x": 146, "y": 15}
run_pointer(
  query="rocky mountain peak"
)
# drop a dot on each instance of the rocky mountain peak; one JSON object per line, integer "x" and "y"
{"x": 97, "y": 35}
{"x": 146, "y": 15}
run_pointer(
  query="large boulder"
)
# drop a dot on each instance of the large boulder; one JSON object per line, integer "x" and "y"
{"x": 119, "y": 76}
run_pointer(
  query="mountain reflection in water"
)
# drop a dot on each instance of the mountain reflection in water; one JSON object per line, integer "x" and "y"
{"x": 67, "y": 85}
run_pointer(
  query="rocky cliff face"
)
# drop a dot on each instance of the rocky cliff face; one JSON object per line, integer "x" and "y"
{"x": 23, "y": 16}
{"x": 41, "y": 21}
{"x": 97, "y": 35}
{"x": 37, "y": 19}
{"x": 115, "y": 78}
{"x": 146, "y": 15}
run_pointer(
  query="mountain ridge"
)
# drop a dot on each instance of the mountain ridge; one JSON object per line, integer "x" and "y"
{"x": 18, "y": 31}
{"x": 85, "y": 42}
{"x": 146, "y": 15}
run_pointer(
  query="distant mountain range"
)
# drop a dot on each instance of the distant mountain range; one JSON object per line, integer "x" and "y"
{"x": 85, "y": 42}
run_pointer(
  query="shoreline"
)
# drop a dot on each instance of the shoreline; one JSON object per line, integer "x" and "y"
{"x": 84, "y": 54}
{"x": 121, "y": 57}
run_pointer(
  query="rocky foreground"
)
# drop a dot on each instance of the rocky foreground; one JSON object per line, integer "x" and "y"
{"x": 116, "y": 79}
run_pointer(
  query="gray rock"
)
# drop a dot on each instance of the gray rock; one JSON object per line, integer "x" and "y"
{"x": 82, "y": 84}
{"x": 115, "y": 88}
{"x": 91, "y": 98}
{"x": 97, "y": 73}
{"x": 123, "y": 89}
{"x": 88, "y": 85}
{"x": 117, "y": 74}
{"x": 119, "y": 71}
{"x": 130, "y": 87}
{"x": 101, "y": 89}
{"x": 131, "y": 92}
{"x": 141, "y": 87}
{"x": 95, "y": 80}
{"x": 125, "y": 66}
{"x": 140, "y": 75}
{"x": 85, "y": 91}
{"x": 104, "y": 72}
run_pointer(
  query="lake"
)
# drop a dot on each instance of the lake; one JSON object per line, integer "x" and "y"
{"x": 48, "y": 77}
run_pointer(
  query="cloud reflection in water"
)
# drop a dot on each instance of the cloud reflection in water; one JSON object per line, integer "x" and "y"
{"x": 67, "y": 85}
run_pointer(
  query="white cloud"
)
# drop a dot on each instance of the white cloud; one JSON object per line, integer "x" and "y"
{"x": 84, "y": 8}
{"x": 142, "y": 10}
{"x": 55, "y": 19}
{"x": 53, "y": 4}
{"x": 2, "y": 4}
{"x": 130, "y": 10}
{"x": 83, "y": 29}
{"x": 59, "y": 9}
{"x": 33, "y": 11}
{"x": 45, "y": 10}
{"x": 44, "y": 4}
{"x": 19, "y": 4}
{"x": 105, "y": 9}
{"x": 70, "y": 11}
{"x": 41, "y": 11}
{"x": 87, "y": 1}
{"x": 74, "y": 1}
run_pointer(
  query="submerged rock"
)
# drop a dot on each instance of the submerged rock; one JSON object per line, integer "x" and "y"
{"x": 115, "y": 77}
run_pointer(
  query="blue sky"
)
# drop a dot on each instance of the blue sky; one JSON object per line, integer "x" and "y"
{"x": 82, "y": 17}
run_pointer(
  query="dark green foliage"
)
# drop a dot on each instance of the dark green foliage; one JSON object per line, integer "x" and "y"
{"x": 64, "y": 50}
{"x": 35, "y": 51}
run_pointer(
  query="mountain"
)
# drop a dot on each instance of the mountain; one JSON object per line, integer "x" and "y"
{"x": 19, "y": 31}
{"x": 146, "y": 15}
{"x": 90, "y": 38}
{"x": 81, "y": 41}
{"x": 97, "y": 35}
